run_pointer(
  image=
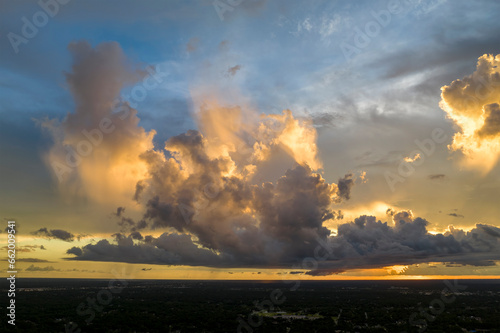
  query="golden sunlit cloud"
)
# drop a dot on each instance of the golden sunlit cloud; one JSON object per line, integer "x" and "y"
{"x": 472, "y": 103}
{"x": 412, "y": 159}
{"x": 96, "y": 150}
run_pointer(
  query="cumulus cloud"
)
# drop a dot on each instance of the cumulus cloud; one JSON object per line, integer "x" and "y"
{"x": 96, "y": 148}
{"x": 244, "y": 189}
{"x": 205, "y": 184}
{"x": 368, "y": 243}
{"x": 405, "y": 216}
{"x": 362, "y": 244}
{"x": 472, "y": 103}
{"x": 101, "y": 153}
{"x": 253, "y": 223}
{"x": 75, "y": 250}
{"x": 167, "y": 249}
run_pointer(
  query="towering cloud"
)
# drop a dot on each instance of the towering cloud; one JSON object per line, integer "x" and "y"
{"x": 210, "y": 186}
{"x": 472, "y": 103}
{"x": 243, "y": 189}
{"x": 96, "y": 148}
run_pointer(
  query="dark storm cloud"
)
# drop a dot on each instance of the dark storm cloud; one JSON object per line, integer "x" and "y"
{"x": 362, "y": 244}
{"x": 368, "y": 243}
{"x": 491, "y": 230}
{"x": 55, "y": 234}
{"x": 402, "y": 216}
{"x": 75, "y": 250}
{"x": 291, "y": 213}
{"x": 171, "y": 249}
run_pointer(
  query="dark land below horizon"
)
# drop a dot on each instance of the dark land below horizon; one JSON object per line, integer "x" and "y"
{"x": 84, "y": 305}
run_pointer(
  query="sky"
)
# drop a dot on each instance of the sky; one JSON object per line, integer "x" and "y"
{"x": 251, "y": 139}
